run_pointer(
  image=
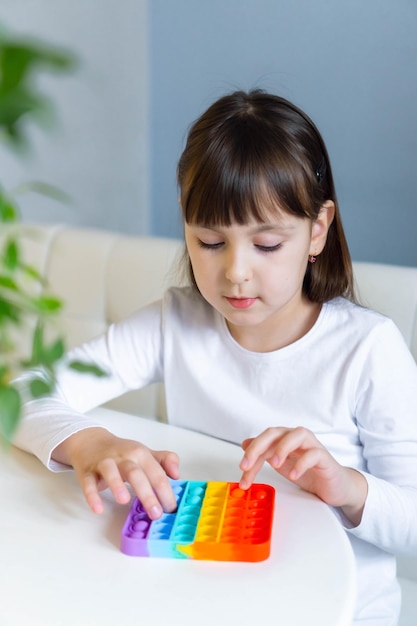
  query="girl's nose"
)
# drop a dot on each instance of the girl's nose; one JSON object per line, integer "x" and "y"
{"x": 238, "y": 269}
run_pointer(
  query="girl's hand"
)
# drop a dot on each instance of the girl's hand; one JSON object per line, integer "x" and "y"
{"x": 102, "y": 460}
{"x": 296, "y": 454}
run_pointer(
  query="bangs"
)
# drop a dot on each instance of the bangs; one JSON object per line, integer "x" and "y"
{"x": 243, "y": 176}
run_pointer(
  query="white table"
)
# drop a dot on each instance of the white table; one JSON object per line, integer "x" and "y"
{"x": 61, "y": 566}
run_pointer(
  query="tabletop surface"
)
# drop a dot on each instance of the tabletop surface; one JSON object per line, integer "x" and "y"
{"x": 60, "y": 565}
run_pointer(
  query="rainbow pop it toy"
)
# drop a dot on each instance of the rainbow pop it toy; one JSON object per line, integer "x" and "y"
{"x": 215, "y": 521}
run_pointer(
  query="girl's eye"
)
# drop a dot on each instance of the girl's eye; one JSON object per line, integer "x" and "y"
{"x": 269, "y": 248}
{"x": 209, "y": 246}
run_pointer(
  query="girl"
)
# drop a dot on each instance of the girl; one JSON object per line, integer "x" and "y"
{"x": 266, "y": 347}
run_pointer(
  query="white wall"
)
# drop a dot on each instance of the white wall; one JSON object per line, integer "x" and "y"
{"x": 98, "y": 150}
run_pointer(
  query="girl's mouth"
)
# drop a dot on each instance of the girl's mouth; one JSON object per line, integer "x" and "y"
{"x": 241, "y": 303}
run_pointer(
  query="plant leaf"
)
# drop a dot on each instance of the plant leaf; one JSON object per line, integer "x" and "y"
{"x": 3, "y": 373}
{"x": 87, "y": 368}
{"x": 10, "y": 410}
{"x": 19, "y": 57}
{"x": 53, "y": 353}
{"x": 39, "y": 388}
{"x": 47, "y": 304}
{"x": 32, "y": 272}
{"x": 11, "y": 255}
{"x": 8, "y": 283}
{"x": 45, "y": 189}
{"x": 9, "y": 311}
{"x": 37, "y": 346}
{"x": 8, "y": 209}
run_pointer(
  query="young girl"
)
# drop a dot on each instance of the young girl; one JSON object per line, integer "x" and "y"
{"x": 266, "y": 347}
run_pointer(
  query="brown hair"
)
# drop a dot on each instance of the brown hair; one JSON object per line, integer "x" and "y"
{"x": 248, "y": 147}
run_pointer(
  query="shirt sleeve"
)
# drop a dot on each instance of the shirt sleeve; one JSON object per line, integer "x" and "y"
{"x": 386, "y": 414}
{"x": 130, "y": 353}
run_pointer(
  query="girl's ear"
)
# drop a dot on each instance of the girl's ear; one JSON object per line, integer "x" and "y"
{"x": 321, "y": 227}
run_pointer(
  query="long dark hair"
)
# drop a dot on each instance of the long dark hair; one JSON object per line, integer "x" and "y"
{"x": 249, "y": 148}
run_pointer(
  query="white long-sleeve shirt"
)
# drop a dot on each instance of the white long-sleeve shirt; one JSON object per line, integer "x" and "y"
{"x": 351, "y": 380}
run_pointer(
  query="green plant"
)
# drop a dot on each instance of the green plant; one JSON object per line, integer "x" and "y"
{"x": 24, "y": 298}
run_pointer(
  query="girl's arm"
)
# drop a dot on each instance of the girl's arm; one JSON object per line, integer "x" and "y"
{"x": 384, "y": 410}
{"x": 57, "y": 430}
{"x": 130, "y": 354}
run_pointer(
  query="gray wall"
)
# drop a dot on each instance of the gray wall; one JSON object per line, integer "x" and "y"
{"x": 352, "y": 65}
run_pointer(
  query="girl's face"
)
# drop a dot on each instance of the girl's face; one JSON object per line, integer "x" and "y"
{"x": 253, "y": 275}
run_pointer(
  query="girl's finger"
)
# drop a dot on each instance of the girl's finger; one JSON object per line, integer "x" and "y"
{"x": 110, "y": 473}
{"x": 89, "y": 487}
{"x": 150, "y": 482}
{"x": 169, "y": 461}
{"x": 246, "y": 442}
{"x": 260, "y": 447}
{"x": 249, "y": 476}
{"x": 167, "y": 465}
{"x": 146, "y": 487}
{"x": 311, "y": 458}
{"x": 293, "y": 439}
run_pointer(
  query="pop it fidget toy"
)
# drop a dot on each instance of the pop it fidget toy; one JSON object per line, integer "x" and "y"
{"x": 215, "y": 521}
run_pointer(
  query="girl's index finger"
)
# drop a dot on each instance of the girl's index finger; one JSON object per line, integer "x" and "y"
{"x": 253, "y": 452}
{"x": 260, "y": 446}
{"x": 256, "y": 454}
{"x": 248, "y": 476}
{"x": 257, "y": 451}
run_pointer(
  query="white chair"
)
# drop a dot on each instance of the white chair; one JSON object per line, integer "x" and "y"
{"x": 392, "y": 290}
